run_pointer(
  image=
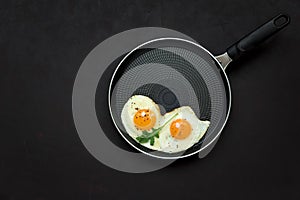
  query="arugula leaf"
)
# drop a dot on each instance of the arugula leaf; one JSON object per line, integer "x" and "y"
{"x": 142, "y": 139}
{"x": 146, "y": 136}
{"x": 152, "y": 141}
{"x": 145, "y": 133}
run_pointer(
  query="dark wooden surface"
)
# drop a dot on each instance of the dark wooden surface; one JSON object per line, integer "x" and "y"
{"x": 42, "y": 44}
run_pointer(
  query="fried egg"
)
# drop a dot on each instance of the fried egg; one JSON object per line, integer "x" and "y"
{"x": 176, "y": 131}
{"x": 182, "y": 131}
{"x": 140, "y": 113}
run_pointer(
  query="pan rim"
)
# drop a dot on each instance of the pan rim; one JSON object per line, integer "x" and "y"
{"x": 218, "y": 64}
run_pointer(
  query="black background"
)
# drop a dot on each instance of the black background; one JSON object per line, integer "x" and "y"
{"x": 43, "y": 43}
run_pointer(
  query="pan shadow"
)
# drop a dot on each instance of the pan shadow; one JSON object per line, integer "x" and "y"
{"x": 102, "y": 108}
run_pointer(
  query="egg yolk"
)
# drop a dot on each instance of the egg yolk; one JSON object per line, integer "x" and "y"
{"x": 144, "y": 119}
{"x": 180, "y": 129}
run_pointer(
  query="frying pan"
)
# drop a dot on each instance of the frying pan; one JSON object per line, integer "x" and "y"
{"x": 176, "y": 72}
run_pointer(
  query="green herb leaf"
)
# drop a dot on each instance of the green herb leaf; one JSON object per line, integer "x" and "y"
{"x": 152, "y": 141}
{"x": 146, "y": 136}
{"x": 145, "y": 133}
{"x": 142, "y": 139}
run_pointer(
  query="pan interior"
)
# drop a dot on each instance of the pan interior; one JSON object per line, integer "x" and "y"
{"x": 173, "y": 73}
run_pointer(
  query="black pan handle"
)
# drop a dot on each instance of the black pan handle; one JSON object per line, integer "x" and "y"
{"x": 258, "y": 36}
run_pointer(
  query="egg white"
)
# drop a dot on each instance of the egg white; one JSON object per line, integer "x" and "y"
{"x": 129, "y": 110}
{"x": 169, "y": 144}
